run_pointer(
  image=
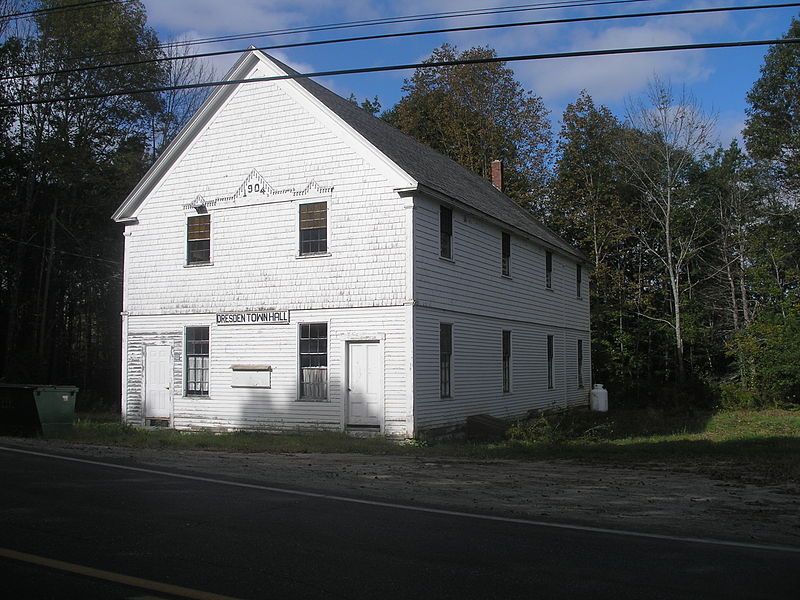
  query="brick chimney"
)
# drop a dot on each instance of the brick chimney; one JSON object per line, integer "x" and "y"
{"x": 497, "y": 174}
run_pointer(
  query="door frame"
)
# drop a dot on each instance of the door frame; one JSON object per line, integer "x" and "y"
{"x": 369, "y": 339}
{"x": 144, "y": 382}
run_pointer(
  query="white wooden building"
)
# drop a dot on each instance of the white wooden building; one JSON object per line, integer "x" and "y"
{"x": 293, "y": 262}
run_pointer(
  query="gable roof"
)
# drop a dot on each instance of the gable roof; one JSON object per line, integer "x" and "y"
{"x": 431, "y": 170}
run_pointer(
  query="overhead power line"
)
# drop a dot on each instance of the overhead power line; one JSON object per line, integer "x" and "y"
{"x": 550, "y": 5}
{"x": 66, "y": 7}
{"x": 409, "y": 66}
{"x": 383, "y": 36}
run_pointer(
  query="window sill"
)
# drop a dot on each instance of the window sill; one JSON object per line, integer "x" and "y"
{"x": 196, "y": 265}
{"x": 317, "y": 255}
{"x": 314, "y": 400}
{"x": 504, "y": 276}
{"x": 549, "y": 289}
{"x": 444, "y": 258}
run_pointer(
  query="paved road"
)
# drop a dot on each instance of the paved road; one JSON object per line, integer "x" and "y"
{"x": 255, "y": 543}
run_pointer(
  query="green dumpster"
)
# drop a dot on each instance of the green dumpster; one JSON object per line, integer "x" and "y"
{"x": 28, "y": 409}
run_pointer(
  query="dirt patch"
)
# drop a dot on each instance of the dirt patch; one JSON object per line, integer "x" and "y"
{"x": 680, "y": 499}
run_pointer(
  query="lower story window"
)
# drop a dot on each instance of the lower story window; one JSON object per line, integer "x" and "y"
{"x": 445, "y": 359}
{"x": 550, "y": 353}
{"x": 197, "y": 365}
{"x": 506, "y": 362}
{"x": 580, "y": 363}
{"x": 314, "y": 361}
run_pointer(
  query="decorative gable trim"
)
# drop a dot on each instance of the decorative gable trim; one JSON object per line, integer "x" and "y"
{"x": 255, "y": 185}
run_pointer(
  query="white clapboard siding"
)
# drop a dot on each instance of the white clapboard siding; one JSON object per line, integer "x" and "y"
{"x": 472, "y": 281}
{"x": 278, "y": 407}
{"x": 477, "y": 368}
{"x": 255, "y": 247}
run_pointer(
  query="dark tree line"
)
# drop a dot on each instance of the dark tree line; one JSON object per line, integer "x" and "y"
{"x": 64, "y": 168}
{"x": 694, "y": 249}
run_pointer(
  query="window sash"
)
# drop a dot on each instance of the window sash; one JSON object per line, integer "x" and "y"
{"x": 445, "y": 359}
{"x": 314, "y": 361}
{"x": 580, "y": 363}
{"x": 445, "y": 232}
{"x": 548, "y": 269}
{"x": 550, "y": 352}
{"x": 506, "y": 262}
{"x": 579, "y": 279}
{"x": 197, "y": 361}
{"x": 198, "y": 239}
{"x": 313, "y": 228}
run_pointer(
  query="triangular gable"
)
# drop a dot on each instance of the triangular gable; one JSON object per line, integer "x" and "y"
{"x": 243, "y": 67}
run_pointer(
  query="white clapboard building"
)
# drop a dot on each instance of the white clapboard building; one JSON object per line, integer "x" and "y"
{"x": 292, "y": 262}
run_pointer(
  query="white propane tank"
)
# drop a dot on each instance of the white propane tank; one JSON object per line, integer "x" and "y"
{"x": 599, "y": 398}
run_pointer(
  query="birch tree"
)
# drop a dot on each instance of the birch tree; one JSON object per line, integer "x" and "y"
{"x": 667, "y": 132}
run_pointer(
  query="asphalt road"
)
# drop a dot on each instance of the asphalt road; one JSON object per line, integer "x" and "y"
{"x": 254, "y": 543}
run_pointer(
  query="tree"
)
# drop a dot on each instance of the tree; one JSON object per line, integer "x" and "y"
{"x": 477, "y": 113}
{"x": 666, "y": 135}
{"x": 68, "y": 165}
{"x": 772, "y": 131}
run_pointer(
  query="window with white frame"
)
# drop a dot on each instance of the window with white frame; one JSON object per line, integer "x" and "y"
{"x": 506, "y": 362}
{"x": 197, "y": 361}
{"x": 198, "y": 240}
{"x": 550, "y": 356}
{"x": 445, "y": 359}
{"x": 445, "y": 232}
{"x": 314, "y": 361}
{"x": 313, "y": 228}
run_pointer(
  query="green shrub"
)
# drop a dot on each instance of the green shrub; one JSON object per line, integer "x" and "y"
{"x": 734, "y": 396}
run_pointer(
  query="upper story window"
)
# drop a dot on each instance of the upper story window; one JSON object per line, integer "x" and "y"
{"x": 198, "y": 240}
{"x": 506, "y": 362}
{"x": 445, "y": 359}
{"x": 314, "y": 361}
{"x": 445, "y": 232}
{"x": 578, "y": 279}
{"x": 197, "y": 365}
{"x": 313, "y": 228}
{"x": 506, "y": 261}
{"x": 548, "y": 266}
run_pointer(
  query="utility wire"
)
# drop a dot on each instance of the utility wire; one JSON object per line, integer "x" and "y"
{"x": 66, "y": 7}
{"x": 383, "y": 36}
{"x": 409, "y": 66}
{"x": 556, "y": 4}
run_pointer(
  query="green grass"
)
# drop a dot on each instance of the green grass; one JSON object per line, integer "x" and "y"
{"x": 761, "y": 447}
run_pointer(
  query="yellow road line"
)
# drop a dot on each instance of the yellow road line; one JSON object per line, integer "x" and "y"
{"x": 137, "y": 582}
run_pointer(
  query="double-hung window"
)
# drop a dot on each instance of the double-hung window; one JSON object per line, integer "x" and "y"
{"x": 550, "y": 379}
{"x": 578, "y": 279}
{"x": 506, "y": 362}
{"x": 197, "y": 364}
{"x": 313, "y": 228}
{"x": 445, "y": 359}
{"x": 505, "y": 264}
{"x": 548, "y": 270}
{"x": 314, "y": 361}
{"x": 580, "y": 363}
{"x": 198, "y": 240}
{"x": 445, "y": 232}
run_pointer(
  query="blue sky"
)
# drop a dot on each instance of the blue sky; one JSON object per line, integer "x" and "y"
{"x": 720, "y": 79}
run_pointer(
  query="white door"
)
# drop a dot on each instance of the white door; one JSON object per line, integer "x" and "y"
{"x": 158, "y": 382}
{"x": 364, "y": 384}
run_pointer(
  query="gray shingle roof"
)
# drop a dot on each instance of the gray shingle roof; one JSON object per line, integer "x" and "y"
{"x": 430, "y": 168}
